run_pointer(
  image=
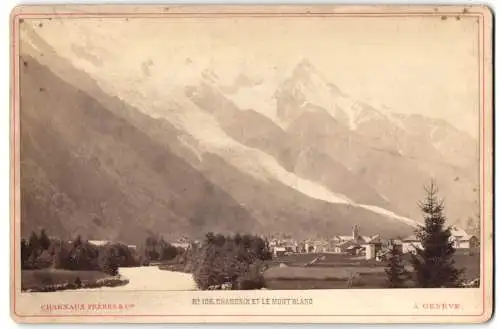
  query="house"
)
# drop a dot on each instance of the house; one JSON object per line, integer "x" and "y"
{"x": 462, "y": 240}
{"x": 354, "y": 249}
{"x": 457, "y": 232}
{"x": 279, "y": 251}
{"x": 466, "y": 242}
{"x": 356, "y": 243}
{"x": 348, "y": 246}
{"x": 370, "y": 251}
{"x": 343, "y": 238}
{"x": 372, "y": 246}
{"x": 310, "y": 246}
{"x": 183, "y": 245}
{"x": 322, "y": 246}
{"x": 459, "y": 238}
{"x": 410, "y": 244}
{"x": 99, "y": 242}
{"x": 283, "y": 245}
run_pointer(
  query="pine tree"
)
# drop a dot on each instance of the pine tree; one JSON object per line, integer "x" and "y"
{"x": 44, "y": 240}
{"x": 395, "y": 271}
{"x": 34, "y": 246}
{"x": 150, "y": 248}
{"x": 433, "y": 263}
{"x": 60, "y": 255}
{"x": 25, "y": 252}
{"x": 78, "y": 241}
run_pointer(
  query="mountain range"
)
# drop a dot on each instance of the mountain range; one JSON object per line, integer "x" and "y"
{"x": 113, "y": 157}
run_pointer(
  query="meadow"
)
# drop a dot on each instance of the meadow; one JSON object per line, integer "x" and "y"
{"x": 340, "y": 271}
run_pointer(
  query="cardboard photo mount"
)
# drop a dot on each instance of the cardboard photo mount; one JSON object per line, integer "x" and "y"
{"x": 474, "y": 305}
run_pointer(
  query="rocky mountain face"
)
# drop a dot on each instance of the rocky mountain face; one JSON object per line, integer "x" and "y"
{"x": 373, "y": 156}
{"x": 85, "y": 170}
{"x": 110, "y": 156}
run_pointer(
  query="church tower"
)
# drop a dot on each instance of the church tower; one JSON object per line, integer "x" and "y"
{"x": 355, "y": 233}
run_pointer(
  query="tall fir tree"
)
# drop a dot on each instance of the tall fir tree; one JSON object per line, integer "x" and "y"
{"x": 34, "y": 246}
{"x": 395, "y": 270}
{"x": 44, "y": 240}
{"x": 433, "y": 263}
{"x": 25, "y": 252}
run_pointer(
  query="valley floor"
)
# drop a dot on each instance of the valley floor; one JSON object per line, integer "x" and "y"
{"x": 285, "y": 273}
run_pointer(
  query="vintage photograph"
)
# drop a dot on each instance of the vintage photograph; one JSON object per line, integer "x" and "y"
{"x": 248, "y": 152}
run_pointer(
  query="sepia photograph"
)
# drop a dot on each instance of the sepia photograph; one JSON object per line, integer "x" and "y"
{"x": 186, "y": 151}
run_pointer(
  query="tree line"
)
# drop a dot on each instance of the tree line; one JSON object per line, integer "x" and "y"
{"x": 157, "y": 249}
{"x": 40, "y": 251}
{"x": 218, "y": 262}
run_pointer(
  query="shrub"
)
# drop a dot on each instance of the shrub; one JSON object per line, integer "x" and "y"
{"x": 83, "y": 256}
{"x": 252, "y": 279}
{"x": 43, "y": 261}
{"x": 108, "y": 261}
{"x": 167, "y": 251}
{"x": 124, "y": 256}
{"x": 155, "y": 248}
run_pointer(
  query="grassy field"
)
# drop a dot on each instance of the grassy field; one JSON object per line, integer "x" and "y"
{"x": 468, "y": 260}
{"x": 36, "y": 279}
{"x": 318, "y": 273}
{"x": 334, "y": 270}
{"x": 364, "y": 281}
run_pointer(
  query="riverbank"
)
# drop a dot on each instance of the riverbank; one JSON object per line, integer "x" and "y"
{"x": 47, "y": 280}
{"x": 129, "y": 279}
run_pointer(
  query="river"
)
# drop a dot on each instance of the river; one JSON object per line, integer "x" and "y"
{"x": 152, "y": 278}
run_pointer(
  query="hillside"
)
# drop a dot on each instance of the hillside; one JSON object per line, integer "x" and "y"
{"x": 85, "y": 170}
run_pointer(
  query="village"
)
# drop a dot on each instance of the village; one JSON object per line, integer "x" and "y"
{"x": 369, "y": 247}
{"x": 375, "y": 247}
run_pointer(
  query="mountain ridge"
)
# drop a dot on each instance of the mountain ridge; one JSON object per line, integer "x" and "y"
{"x": 229, "y": 136}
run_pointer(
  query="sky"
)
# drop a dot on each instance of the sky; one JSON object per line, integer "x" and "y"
{"x": 420, "y": 65}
